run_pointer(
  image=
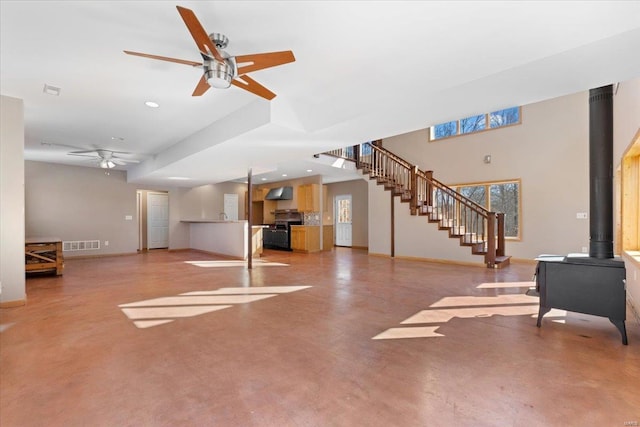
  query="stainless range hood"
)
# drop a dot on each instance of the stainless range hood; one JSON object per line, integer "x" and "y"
{"x": 280, "y": 193}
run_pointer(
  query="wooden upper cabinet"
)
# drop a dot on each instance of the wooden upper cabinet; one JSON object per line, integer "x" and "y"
{"x": 309, "y": 198}
{"x": 259, "y": 193}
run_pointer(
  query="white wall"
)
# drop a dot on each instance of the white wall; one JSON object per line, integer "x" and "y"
{"x": 548, "y": 152}
{"x": 12, "y": 276}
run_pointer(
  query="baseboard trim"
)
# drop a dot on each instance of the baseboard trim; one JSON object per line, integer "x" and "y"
{"x": 67, "y": 257}
{"x": 441, "y": 261}
{"x": 13, "y": 303}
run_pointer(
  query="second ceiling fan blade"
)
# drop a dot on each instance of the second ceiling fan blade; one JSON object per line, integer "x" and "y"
{"x": 202, "y": 87}
{"x": 263, "y": 60}
{"x": 164, "y": 58}
{"x": 198, "y": 33}
{"x": 247, "y": 83}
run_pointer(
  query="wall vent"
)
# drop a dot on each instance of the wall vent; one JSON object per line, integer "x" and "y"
{"x": 81, "y": 245}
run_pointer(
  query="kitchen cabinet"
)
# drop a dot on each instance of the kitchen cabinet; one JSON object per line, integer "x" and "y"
{"x": 305, "y": 238}
{"x": 327, "y": 237}
{"x": 309, "y": 198}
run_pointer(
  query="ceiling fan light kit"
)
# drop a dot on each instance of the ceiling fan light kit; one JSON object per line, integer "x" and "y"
{"x": 220, "y": 70}
{"x": 107, "y": 164}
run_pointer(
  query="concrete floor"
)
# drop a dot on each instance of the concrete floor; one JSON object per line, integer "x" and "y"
{"x": 338, "y": 338}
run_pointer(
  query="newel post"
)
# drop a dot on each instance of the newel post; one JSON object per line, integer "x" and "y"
{"x": 414, "y": 190}
{"x": 500, "y": 250}
{"x": 490, "y": 256}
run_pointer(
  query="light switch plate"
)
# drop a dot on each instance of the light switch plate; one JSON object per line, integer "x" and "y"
{"x": 581, "y": 215}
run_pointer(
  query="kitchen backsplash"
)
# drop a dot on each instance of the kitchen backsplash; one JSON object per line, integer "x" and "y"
{"x": 312, "y": 218}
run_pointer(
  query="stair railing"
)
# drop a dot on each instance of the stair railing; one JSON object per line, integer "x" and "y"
{"x": 387, "y": 168}
{"x": 474, "y": 224}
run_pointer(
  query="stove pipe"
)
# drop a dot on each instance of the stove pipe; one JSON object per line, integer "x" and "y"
{"x": 601, "y": 172}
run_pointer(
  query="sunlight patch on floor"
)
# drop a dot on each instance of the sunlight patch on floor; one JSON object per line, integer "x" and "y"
{"x": 5, "y": 326}
{"x": 250, "y": 291}
{"x": 198, "y": 300}
{"x": 469, "y": 307}
{"x": 414, "y": 332}
{"x": 235, "y": 263}
{"x": 163, "y": 310}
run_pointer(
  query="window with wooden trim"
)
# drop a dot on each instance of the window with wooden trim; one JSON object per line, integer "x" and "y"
{"x": 479, "y": 122}
{"x": 500, "y": 196}
{"x": 631, "y": 198}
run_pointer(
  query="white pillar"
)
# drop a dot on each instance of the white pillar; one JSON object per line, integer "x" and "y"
{"x": 12, "y": 276}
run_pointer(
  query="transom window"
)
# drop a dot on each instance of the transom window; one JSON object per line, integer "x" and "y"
{"x": 480, "y": 122}
{"x": 502, "y": 196}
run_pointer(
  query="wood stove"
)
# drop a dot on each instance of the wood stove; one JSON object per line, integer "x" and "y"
{"x": 593, "y": 284}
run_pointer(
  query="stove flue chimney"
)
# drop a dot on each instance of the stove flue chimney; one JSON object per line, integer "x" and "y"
{"x": 601, "y": 172}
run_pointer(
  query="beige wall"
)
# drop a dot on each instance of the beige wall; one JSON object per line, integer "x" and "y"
{"x": 83, "y": 203}
{"x": 12, "y": 279}
{"x": 358, "y": 189}
{"x": 548, "y": 152}
{"x": 207, "y": 201}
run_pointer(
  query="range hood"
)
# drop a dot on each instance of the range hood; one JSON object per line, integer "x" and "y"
{"x": 280, "y": 193}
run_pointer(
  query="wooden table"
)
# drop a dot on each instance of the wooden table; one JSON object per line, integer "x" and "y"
{"x": 43, "y": 254}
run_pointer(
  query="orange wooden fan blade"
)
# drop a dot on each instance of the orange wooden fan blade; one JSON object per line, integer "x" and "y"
{"x": 198, "y": 33}
{"x": 263, "y": 60}
{"x": 201, "y": 88}
{"x": 164, "y": 58}
{"x": 247, "y": 83}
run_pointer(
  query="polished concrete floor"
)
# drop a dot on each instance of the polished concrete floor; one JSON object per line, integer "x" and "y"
{"x": 332, "y": 339}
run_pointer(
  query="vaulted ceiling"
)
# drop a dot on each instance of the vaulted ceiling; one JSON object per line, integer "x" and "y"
{"x": 364, "y": 70}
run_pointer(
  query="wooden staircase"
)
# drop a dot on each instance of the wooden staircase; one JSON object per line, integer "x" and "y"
{"x": 473, "y": 225}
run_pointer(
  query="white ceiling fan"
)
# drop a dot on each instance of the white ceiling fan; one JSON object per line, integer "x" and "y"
{"x": 106, "y": 159}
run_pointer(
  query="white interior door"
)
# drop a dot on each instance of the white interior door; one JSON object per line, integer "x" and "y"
{"x": 343, "y": 220}
{"x": 157, "y": 220}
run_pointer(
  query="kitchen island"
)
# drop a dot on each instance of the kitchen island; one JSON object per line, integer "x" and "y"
{"x": 221, "y": 237}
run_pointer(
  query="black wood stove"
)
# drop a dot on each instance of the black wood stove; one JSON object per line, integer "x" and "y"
{"x": 593, "y": 284}
{"x": 585, "y": 285}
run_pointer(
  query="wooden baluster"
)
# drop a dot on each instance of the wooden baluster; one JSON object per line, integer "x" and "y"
{"x": 500, "y": 251}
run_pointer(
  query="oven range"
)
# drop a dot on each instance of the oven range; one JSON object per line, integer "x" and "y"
{"x": 278, "y": 235}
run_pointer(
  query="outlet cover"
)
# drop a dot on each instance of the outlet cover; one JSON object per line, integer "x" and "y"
{"x": 128, "y": 217}
{"x": 106, "y": 243}
{"x": 581, "y": 215}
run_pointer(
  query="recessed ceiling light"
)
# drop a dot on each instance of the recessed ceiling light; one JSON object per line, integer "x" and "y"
{"x": 152, "y": 104}
{"x": 284, "y": 174}
{"x": 51, "y": 90}
{"x": 178, "y": 178}
{"x": 309, "y": 170}
{"x": 264, "y": 179}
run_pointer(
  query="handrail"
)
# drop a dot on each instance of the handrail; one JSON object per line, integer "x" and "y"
{"x": 454, "y": 193}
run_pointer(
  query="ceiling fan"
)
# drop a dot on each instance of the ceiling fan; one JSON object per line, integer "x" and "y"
{"x": 220, "y": 69}
{"x": 106, "y": 159}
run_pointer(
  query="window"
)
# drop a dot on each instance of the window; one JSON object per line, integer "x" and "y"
{"x": 480, "y": 122}
{"x": 503, "y": 196}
